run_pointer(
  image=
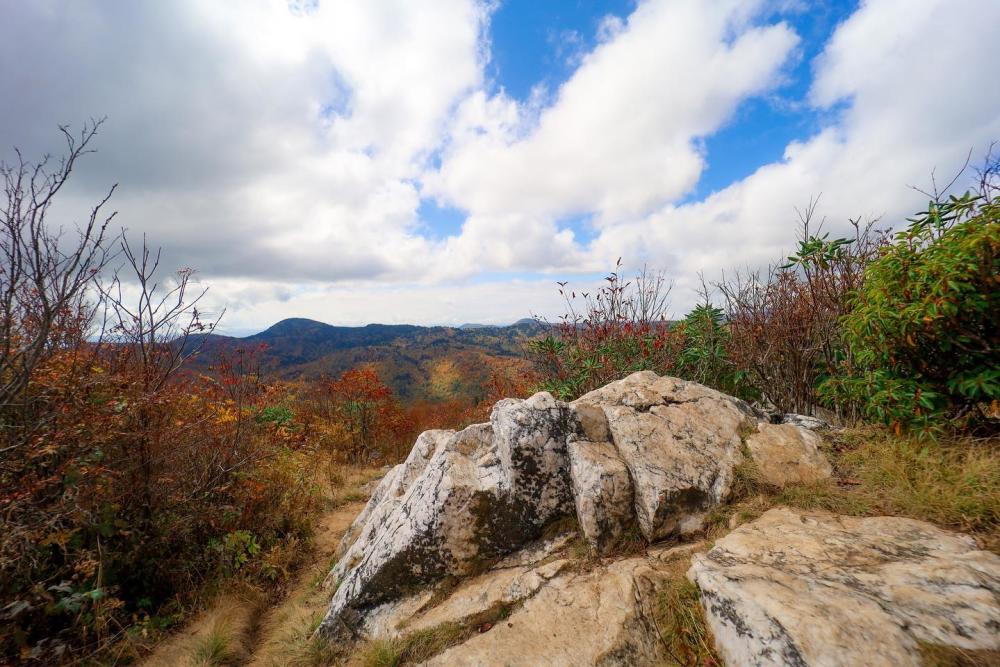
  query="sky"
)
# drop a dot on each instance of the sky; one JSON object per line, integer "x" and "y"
{"x": 447, "y": 161}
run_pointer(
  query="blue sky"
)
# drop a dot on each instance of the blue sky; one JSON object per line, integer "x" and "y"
{"x": 446, "y": 161}
{"x": 536, "y": 46}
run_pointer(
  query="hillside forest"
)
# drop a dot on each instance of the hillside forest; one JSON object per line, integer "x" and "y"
{"x": 145, "y": 461}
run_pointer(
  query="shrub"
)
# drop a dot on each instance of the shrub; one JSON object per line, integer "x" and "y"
{"x": 704, "y": 356}
{"x": 783, "y": 323}
{"x": 126, "y": 483}
{"x": 923, "y": 332}
{"x": 620, "y": 329}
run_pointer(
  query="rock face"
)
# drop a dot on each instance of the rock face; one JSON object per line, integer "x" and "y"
{"x": 801, "y": 588}
{"x": 787, "y": 454}
{"x": 460, "y": 500}
{"x": 679, "y": 441}
{"x": 508, "y": 583}
{"x": 647, "y": 451}
{"x": 600, "y": 617}
{"x": 603, "y": 491}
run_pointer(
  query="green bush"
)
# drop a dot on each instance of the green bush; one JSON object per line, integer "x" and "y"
{"x": 278, "y": 415}
{"x": 704, "y": 356}
{"x": 924, "y": 329}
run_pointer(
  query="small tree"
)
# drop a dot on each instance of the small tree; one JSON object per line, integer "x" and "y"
{"x": 366, "y": 410}
{"x": 704, "y": 356}
{"x": 604, "y": 336}
{"x": 45, "y": 274}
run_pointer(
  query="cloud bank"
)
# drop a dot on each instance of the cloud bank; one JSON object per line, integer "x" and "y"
{"x": 285, "y": 149}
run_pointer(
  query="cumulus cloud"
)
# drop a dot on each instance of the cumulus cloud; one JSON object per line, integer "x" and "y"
{"x": 285, "y": 149}
{"x": 909, "y": 109}
{"x": 620, "y": 137}
{"x": 248, "y": 139}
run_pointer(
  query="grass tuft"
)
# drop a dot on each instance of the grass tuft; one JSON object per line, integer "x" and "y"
{"x": 412, "y": 649}
{"x": 935, "y": 655}
{"x": 216, "y": 648}
{"x": 680, "y": 622}
{"x": 952, "y": 483}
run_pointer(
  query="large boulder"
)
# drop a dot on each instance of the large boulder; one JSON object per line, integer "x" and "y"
{"x": 481, "y": 493}
{"x": 810, "y": 588}
{"x": 648, "y": 451}
{"x": 680, "y": 442}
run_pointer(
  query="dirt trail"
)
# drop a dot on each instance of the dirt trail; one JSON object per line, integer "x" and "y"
{"x": 284, "y": 629}
{"x": 241, "y": 628}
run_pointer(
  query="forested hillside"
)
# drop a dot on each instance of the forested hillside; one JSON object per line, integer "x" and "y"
{"x": 417, "y": 363}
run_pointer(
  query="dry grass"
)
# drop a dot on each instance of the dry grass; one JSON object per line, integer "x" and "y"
{"x": 954, "y": 484}
{"x": 219, "y": 636}
{"x": 411, "y": 649}
{"x": 935, "y": 655}
{"x": 239, "y": 626}
{"x": 680, "y": 620}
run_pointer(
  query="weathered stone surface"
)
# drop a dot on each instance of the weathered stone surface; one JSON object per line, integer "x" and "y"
{"x": 679, "y": 440}
{"x": 788, "y": 454}
{"x": 810, "y": 588}
{"x": 601, "y": 617}
{"x": 513, "y": 579}
{"x": 805, "y": 421}
{"x": 603, "y": 493}
{"x": 389, "y": 494}
{"x": 461, "y": 499}
{"x": 502, "y": 587}
{"x": 531, "y": 440}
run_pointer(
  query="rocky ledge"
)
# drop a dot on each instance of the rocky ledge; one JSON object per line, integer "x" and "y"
{"x": 647, "y": 455}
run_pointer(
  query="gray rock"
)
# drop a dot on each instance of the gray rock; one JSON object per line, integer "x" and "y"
{"x": 388, "y": 494}
{"x": 462, "y": 500}
{"x": 530, "y": 437}
{"x": 805, "y": 421}
{"x": 810, "y": 588}
{"x": 680, "y": 442}
{"x": 603, "y": 491}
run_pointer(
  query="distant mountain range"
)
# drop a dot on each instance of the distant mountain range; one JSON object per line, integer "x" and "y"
{"x": 430, "y": 363}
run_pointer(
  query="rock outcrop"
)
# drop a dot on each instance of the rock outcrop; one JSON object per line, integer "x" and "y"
{"x": 600, "y": 617}
{"x": 459, "y": 501}
{"x": 656, "y": 453}
{"x": 680, "y": 442}
{"x": 787, "y": 454}
{"x": 807, "y": 588}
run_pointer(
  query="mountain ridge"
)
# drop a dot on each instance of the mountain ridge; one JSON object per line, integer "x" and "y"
{"x": 418, "y": 362}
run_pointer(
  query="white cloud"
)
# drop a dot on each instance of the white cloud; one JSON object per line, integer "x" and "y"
{"x": 911, "y": 107}
{"x": 619, "y": 139}
{"x": 250, "y": 140}
{"x": 251, "y": 302}
{"x": 285, "y": 153}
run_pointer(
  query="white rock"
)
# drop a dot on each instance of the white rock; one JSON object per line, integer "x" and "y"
{"x": 387, "y": 496}
{"x": 482, "y": 493}
{"x": 810, "y": 588}
{"x": 603, "y": 493}
{"x": 680, "y": 442}
{"x": 805, "y": 421}
{"x": 600, "y": 617}
{"x": 788, "y": 454}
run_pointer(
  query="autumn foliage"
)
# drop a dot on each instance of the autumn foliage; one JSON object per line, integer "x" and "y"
{"x": 603, "y": 336}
